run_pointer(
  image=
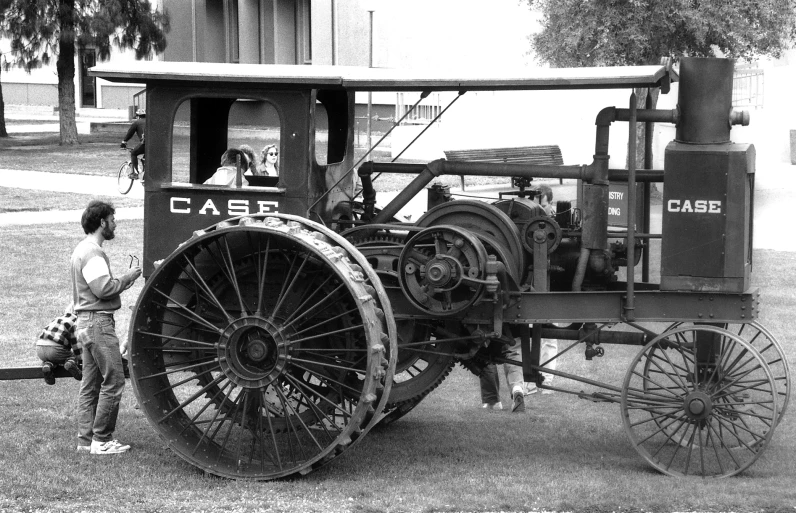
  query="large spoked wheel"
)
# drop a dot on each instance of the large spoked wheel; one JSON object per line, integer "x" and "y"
{"x": 699, "y": 400}
{"x": 771, "y": 350}
{"x": 124, "y": 182}
{"x": 260, "y": 348}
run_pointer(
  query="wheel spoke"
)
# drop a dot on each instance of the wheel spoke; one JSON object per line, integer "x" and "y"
{"x": 337, "y": 317}
{"x": 202, "y": 286}
{"x": 189, "y": 314}
{"x": 230, "y": 273}
{"x": 262, "y": 274}
{"x": 293, "y": 342}
{"x": 191, "y": 399}
{"x": 286, "y": 291}
{"x": 310, "y": 292}
{"x": 311, "y": 310}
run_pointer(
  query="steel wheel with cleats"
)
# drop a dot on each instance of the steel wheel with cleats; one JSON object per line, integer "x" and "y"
{"x": 699, "y": 400}
{"x": 259, "y": 348}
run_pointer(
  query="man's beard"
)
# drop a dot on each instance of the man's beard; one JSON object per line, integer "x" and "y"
{"x": 107, "y": 233}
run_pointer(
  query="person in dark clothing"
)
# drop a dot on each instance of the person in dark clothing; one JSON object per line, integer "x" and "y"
{"x": 136, "y": 128}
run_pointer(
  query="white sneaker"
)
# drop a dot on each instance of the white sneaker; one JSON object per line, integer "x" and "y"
{"x": 83, "y": 448}
{"x": 518, "y": 400}
{"x": 112, "y": 447}
{"x": 530, "y": 388}
{"x": 496, "y": 406}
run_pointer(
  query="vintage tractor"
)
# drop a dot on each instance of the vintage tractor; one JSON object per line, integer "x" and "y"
{"x": 282, "y": 319}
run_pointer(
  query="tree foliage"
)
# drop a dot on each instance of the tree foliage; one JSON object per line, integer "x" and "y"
{"x": 636, "y": 32}
{"x": 41, "y": 29}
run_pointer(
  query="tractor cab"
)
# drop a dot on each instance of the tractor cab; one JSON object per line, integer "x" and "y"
{"x": 201, "y": 110}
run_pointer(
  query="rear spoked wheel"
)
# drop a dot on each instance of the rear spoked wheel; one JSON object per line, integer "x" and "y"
{"x": 258, "y": 349}
{"x": 771, "y": 351}
{"x": 699, "y": 400}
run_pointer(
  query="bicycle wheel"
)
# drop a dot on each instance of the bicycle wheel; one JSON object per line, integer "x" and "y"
{"x": 123, "y": 181}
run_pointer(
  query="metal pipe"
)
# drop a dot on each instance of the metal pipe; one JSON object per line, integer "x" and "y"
{"x": 645, "y": 223}
{"x": 370, "y": 65}
{"x": 449, "y": 167}
{"x": 631, "y": 211}
{"x": 642, "y": 175}
{"x": 429, "y": 173}
{"x": 649, "y": 115}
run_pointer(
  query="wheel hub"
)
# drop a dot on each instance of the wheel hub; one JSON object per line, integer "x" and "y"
{"x": 252, "y": 352}
{"x": 439, "y": 273}
{"x": 697, "y": 405}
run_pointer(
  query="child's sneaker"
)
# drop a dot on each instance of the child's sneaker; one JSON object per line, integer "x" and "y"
{"x": 112, "y": 447}
{"x": 72, "y": 368}
{"x": 47, "y": 370}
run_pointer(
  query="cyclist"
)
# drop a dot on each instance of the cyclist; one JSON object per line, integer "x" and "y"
{"x": 136, "y": 128}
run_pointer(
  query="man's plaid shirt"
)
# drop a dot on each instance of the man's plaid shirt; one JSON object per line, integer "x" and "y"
{"x": 62, "y": 331}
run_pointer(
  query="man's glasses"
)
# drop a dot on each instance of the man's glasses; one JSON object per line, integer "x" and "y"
{"x": 273, "y": 153}
{"x": 133, "y": 258}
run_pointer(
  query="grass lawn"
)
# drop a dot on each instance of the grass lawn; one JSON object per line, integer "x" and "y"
{"x": 446, "y": 455}
{"x": 26, "y": 200}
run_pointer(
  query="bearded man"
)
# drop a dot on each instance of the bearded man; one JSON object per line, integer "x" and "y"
{"x": 96, "y": 295}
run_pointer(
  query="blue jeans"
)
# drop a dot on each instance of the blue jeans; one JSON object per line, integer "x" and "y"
{"x": 57, "y": 355}
{"x": 103, "y": 378}
{"x": 490, "y": 381}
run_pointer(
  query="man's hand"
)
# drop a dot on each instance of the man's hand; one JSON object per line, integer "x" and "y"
{"x": 124, "y": 145}
{"x": 130, "y": 276}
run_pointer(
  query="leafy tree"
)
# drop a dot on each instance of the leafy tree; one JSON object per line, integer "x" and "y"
{"x": 39, "y": 29}
{"x": 637, "y": 32}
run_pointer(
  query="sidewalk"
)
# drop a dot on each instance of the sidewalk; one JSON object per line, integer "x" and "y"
{"x": 83, "y": 118}
{"x": 61, "y": 182}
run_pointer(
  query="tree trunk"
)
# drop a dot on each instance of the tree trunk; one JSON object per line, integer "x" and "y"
{"x": 3, "y": 132}
{"x": 66, "y": 72}
{"x": 641, "y": 99}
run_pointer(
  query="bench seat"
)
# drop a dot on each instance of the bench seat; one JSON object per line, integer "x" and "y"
{"x": 548, "y": 155}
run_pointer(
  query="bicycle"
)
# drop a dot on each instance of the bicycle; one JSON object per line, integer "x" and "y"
{"x": 126, "y": 175}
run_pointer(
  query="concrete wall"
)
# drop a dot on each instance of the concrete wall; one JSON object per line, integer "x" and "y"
{"x": 16, "y": 93}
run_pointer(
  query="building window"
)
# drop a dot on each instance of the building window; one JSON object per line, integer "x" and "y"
{"x": 423, "y": 114}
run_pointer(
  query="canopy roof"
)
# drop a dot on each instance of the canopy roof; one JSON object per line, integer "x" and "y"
{"x": 383, "y": 79}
